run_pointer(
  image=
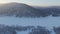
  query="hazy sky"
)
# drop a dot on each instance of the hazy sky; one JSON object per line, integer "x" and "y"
{"x": 35, "y": 2}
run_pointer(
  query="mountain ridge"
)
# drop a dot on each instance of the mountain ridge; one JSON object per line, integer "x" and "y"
{"x": 24, "y": 10}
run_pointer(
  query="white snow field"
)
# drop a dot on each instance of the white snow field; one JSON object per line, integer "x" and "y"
{"x": 24, "y": 21}
{"x": 48, "y": 22}
{"x": 23, "y": 32}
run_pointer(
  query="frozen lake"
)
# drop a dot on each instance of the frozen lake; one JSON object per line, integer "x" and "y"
{"x": 48, "y": 22}
{"x": 43, "y": 21}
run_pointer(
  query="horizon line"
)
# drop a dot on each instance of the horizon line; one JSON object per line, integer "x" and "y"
{"x": 31, "y": 4}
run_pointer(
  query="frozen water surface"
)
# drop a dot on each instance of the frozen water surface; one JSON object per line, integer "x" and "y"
{"x": 43, "y": 21}
{"x": 48, "y": 22}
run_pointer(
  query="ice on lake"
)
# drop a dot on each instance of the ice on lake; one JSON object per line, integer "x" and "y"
{"x": 24, "y": 21}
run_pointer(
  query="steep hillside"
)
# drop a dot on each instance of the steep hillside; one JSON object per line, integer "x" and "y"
{"x": 18, "y": 9}
{"x": 22, "y": 10}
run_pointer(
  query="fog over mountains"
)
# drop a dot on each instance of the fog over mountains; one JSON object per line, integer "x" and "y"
{"x": 24, "y": 10}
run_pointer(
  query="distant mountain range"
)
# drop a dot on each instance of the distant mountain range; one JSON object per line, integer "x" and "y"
{"x": 24, "y": 10}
